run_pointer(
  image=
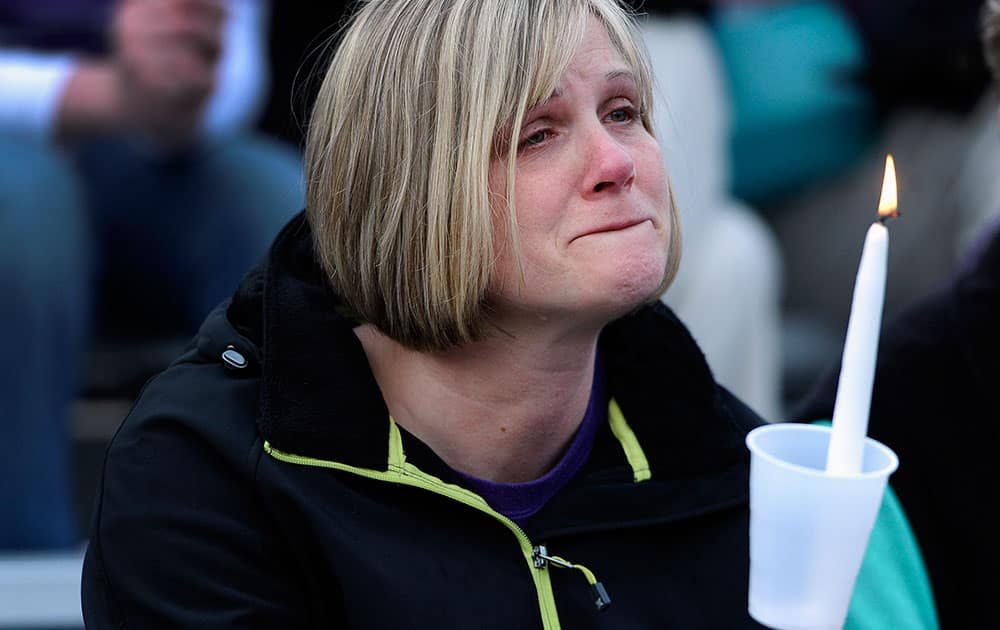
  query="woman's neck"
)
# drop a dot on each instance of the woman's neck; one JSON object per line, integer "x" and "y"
{"x": 501, "y": 409}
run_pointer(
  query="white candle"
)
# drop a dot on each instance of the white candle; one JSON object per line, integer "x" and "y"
{"x": 857, "y": 368}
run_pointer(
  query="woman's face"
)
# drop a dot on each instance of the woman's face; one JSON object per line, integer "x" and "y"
{"x": 591, "y": 197}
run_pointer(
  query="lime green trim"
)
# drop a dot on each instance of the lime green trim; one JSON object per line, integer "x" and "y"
{"x": 401, "y": 472}
{"x": 396, "y": 456}
{"x": 587, "y": 573}
{"x": 633, "y": 452}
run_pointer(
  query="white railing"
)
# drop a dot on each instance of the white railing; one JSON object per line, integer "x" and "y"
{"x": 41, "y": 589}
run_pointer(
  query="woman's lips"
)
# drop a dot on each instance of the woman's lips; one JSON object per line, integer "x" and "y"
{"x": 617, "y": 226}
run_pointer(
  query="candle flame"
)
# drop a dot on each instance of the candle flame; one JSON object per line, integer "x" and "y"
{"x": 887, "y": 203}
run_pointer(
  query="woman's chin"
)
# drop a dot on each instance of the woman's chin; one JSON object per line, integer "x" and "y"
{"x": 591, "y": 295}
{"x": 632, "y": 281}
{"x": 627, "y": 271}
{"x": 620, "y": 295}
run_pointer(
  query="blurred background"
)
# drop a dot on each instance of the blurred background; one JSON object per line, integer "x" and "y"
{"x": 150, "y": 150}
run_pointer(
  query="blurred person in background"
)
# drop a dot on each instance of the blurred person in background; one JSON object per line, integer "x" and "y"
{"x": 124, "y": 149}
{"x": 728, "y": 287}
{"x": 934, "y": 403}
{"x": 821, "y": 91}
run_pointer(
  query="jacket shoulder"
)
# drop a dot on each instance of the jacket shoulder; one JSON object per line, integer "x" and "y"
{"x": 740, "y": 416}
{"x": 210, "y": 391}
{"x": 181, "y": 536}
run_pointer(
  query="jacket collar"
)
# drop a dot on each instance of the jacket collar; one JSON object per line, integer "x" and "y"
{"x": 318, "y": 397}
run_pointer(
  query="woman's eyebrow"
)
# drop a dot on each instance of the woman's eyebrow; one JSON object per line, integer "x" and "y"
{"x": 621, "y": 73}
{"x": 557, "y": 92}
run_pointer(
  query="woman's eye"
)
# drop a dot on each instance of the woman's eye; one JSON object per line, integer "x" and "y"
{"x": 621, "y": 115}
{"x": 536, "y": 138}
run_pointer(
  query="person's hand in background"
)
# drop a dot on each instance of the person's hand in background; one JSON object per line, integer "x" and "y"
{"x": 160, "y": 75}
{"x": 166, "y": 53}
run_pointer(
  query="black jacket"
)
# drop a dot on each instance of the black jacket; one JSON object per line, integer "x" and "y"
{"x": 277, "y": 494}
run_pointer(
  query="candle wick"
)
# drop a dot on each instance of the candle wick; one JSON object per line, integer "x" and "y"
{"x": 885, "y": 218}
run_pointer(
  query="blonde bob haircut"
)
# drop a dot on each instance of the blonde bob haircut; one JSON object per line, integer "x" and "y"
{"x": 420, "y": 96}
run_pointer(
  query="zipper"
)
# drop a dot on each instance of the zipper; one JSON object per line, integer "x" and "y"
{"x": 541, "y": 559}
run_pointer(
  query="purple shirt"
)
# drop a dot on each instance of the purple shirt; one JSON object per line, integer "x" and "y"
{"x": 521, "y": 501}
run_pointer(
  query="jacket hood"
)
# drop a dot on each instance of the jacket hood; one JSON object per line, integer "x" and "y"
{"x": 315, "y": 382}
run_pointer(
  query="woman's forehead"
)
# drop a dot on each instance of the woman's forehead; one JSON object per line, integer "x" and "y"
{"x": 594, "y": 53}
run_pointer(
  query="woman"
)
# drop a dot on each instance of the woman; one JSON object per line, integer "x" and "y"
{"x": 452, "y": 371}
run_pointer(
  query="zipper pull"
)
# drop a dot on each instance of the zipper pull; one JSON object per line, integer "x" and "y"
{"x": 540, "y": 556}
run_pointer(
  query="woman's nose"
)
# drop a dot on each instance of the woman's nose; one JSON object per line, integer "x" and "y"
{"x": 612, "y": 166}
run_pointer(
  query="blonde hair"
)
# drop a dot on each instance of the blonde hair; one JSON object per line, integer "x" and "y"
{"x": 419, "y": 97}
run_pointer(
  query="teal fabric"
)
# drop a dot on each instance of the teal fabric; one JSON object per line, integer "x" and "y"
{"x": 892, "y": 590}
{"x": 799, "y": 115}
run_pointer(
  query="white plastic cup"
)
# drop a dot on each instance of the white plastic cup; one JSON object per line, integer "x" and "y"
{"x": 808, "y": 529}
